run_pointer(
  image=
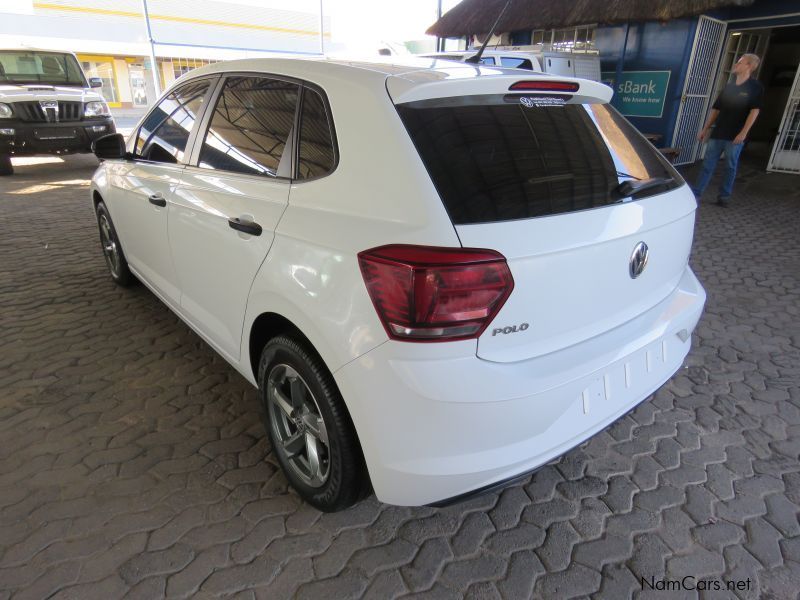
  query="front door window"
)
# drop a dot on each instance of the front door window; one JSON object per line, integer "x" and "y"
{"x": 165, "y": 132}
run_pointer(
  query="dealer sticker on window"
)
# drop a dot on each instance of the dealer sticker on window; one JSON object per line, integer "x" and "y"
{"x": 541, "y": 101}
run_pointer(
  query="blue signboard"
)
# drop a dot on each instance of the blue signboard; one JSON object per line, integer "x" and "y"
{"x": 639, "y": 93}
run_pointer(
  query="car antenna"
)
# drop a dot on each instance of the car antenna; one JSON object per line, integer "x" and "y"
{"x": 477, "y": 58}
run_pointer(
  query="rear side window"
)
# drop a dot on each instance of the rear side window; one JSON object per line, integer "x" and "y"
{"x": 516, "y": 63}
{"x": 316, "y": 156}
{"x": 492, "y": 158}
{"x": 251, "y": 126}
{"x": 164, "y": 133}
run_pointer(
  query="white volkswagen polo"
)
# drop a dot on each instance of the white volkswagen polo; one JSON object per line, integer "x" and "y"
{"x": 440, "y": 276}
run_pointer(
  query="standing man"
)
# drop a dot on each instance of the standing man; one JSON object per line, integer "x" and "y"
{"x": 732, "y": 115}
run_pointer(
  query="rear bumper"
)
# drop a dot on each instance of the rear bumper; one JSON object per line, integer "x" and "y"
{"x": 436, "y": 422}
{"x": 28, "y": 138}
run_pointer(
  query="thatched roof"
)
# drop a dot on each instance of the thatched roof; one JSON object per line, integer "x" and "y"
{"x": 477, "y": 16}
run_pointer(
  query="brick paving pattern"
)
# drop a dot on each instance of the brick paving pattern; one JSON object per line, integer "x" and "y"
{"x": 133, "y": 461}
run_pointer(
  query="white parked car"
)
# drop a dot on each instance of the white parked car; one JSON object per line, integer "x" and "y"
{"x": 440, "y": 277}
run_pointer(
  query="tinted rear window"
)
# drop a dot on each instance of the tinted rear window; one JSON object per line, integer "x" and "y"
{"x": 494, "y": 159}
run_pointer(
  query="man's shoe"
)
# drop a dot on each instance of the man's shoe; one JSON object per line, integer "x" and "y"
{"x": 723, "y": 201}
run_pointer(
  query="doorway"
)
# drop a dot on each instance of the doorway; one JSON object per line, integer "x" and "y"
{"x": 778, "y": 125}
{"x": 138, "y": 84}
{"x": 774, "y": 142}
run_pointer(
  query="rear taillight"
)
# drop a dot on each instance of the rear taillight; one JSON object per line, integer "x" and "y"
{"x": 431, "y": 294}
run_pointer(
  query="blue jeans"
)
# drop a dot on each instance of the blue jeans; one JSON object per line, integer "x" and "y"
{"x": 714, "y": 150}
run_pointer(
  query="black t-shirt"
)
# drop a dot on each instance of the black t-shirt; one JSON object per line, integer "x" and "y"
{"x": 734, "y": 104}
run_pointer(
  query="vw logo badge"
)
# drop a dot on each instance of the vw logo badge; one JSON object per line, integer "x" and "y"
{"x": 639, "y": 259}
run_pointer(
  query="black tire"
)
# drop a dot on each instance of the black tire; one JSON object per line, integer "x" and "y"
{"x": 6, "y": 168}
{"x": 283, "y": 359}
{"x": 112, "y": 248}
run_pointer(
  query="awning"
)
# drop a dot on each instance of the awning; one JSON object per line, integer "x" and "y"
{"x": 477, "y": 16}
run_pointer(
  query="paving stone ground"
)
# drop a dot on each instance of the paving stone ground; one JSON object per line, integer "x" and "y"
{"x": 133, "y": 461}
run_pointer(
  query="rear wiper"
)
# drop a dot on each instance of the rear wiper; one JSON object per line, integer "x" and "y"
{"x": 631, "y": 187}
{"x": 621, "y": 174}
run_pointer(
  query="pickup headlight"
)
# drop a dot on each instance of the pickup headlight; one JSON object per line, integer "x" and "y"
{"x": 96, "y": 108}
{"x": 5, "y": 111}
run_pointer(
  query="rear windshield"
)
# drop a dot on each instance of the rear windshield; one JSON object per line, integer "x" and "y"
{"x": 501, "y": 158}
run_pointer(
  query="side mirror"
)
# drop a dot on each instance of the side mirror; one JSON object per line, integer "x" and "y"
{"x": 95, "y": 82}
{"x": 110, "y": 146}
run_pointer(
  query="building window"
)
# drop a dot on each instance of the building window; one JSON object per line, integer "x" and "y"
{"x": 181, "y": 66}
{"x": 521, "y": 38}
{"x": 104, "y": 69}
{"x": 570, "y": 39}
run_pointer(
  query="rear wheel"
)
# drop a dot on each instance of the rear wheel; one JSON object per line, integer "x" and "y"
{"x": 112, "y": 249}
{"x": 309, "y": 427}
{"x": 6, "y": 168}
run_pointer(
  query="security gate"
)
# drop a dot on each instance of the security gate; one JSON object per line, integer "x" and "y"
{"x": 703, "y": 63}
{"x": 785, "y": 156}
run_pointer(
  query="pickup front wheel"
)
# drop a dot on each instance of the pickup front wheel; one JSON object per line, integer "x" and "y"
{"x": 6, "y": 168}
{"x": 309, "y": 427}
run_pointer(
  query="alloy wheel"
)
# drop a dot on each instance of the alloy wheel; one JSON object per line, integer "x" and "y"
{"x": 298, "y": 425}
{"x": 110, "y": 249}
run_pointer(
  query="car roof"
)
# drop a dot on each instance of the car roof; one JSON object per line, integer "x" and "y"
{"x": 427, "y": 77}
{"x": 358, "y": 68}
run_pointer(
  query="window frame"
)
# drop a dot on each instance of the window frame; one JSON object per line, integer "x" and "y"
{"x": 292, "y": 144}
{"x": 187, "y": 154}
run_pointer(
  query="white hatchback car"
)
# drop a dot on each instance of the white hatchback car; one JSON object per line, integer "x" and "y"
{"x": 440, "y": 276}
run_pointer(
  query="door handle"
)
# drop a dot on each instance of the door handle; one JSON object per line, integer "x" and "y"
{"x": 245, "y": 226}
{"x": 157, "y": 199}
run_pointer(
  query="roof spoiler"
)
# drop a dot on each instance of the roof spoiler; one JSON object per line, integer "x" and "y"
{"x": 466, "y": 80}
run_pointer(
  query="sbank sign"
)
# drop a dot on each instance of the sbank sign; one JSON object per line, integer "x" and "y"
{"x": 639, "y": 93}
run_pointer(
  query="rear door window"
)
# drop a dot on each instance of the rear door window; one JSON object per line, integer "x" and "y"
{"x": 165, "y": 132}
{"x": 495, "y": 158}
{"x": 251, "y": 126}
